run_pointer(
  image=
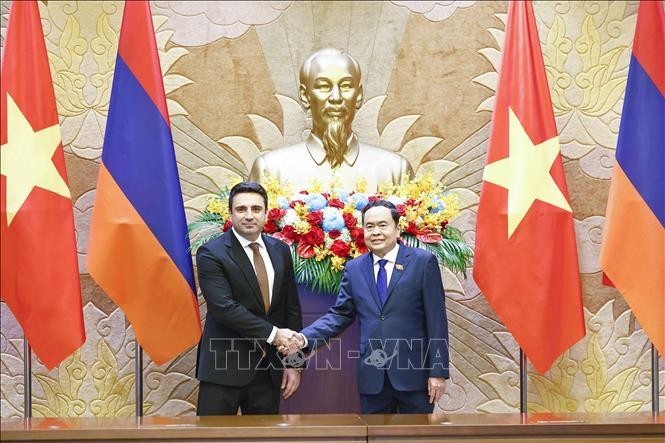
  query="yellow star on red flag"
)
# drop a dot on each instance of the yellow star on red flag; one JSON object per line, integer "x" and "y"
{"x": 525, "y": 173}
{"x": 26, "y": 160}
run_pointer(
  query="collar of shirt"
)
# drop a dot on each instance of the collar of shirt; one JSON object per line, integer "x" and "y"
{"x": 263, "y": 251}
{"x": 245, "y": 243}
{"x": 391, "y": 256}
{"x": 318, "y": 153}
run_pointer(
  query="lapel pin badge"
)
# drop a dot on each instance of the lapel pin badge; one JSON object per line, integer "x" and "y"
{"x": 399, "y": 267}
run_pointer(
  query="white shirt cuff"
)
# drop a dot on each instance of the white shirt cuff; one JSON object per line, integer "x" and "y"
{"x": 304, "y": 338}
{"x": 272, "y": 335}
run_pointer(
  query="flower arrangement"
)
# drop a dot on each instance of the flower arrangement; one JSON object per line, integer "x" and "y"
{"x": 324, "y": 228}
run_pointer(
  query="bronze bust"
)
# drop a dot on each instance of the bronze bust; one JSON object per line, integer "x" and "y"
{"x": 330, "y": 87}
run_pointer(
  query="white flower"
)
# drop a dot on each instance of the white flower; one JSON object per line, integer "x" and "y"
{"x": 395, "y": 200}
{"x": 290, "y": 218}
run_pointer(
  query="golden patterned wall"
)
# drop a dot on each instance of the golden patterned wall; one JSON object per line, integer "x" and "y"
{"x": 429, "y": 74}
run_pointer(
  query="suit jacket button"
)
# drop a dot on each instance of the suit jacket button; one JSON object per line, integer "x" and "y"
{"x": 383, "y": 317}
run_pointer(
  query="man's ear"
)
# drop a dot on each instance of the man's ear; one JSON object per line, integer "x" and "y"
{"x": 304, "y": 100}
{"x": 359, "y": 100}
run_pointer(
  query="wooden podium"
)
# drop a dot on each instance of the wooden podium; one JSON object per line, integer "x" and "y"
{"x": 329, "y": 428}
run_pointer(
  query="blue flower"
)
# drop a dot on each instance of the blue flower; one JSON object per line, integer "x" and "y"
{"x": 344, "y": 196}
{"x": 361, "y": 200}
{"x": 283, "y": 203}
{"x": 438, "y": 206}
{"x": 315, "y": 202}
{"x": 332, "y": 219}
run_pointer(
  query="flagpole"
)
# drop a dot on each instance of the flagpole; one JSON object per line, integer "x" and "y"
{"x": 138, "y": 371}
{"x": 523, "y": 402}
{"x": 655, "y": 406}
{"x": 27, "y": 379}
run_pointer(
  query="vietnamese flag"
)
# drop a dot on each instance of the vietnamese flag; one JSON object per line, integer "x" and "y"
{"x": 633, "y": 251}
{"x": 40, "y": 276}
{"x": 525, "y": 254}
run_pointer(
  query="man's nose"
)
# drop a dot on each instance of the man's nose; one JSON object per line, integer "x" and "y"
{"x": 335, "y": 95}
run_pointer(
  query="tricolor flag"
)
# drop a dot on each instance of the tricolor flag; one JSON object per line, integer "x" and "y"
{"x": 632, "y": 255}
{"x": 40, "y": 276}
{"x": 525, "y": 255}
{"x": 138, "y": 248}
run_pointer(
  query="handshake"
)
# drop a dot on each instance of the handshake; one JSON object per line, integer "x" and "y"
{"x": 288, "y": 341}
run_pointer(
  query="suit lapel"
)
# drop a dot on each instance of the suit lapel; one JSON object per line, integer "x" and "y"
{"x": 240, "y": 258}
{"x": 403, "y": 257}
{"x": 367, "y": 267}
{"x": 278, "y": 266}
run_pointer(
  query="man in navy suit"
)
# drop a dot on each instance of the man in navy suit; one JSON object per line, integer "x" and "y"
{"x": 249, "y": 286}
{"x": 397, "y": 294}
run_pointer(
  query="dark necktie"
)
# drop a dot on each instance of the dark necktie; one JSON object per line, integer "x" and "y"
{"x": 261, "y": 274}
{"x": 382, "y": 281}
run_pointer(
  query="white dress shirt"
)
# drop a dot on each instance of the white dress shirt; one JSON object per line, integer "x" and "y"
{"x": 391, "y": 256}
{"x": 270, "y": 270}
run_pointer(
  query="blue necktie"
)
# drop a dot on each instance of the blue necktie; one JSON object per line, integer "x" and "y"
{"x": 382, "y": 282}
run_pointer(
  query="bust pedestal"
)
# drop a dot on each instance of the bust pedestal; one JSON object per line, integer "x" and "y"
{"x": 329, "y": 384}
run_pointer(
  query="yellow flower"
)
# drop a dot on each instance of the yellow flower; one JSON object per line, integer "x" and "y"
{"x": 315, "y": 187}
{"x": 337, "y": 263}
{"x": 275, "y": 189}
{"x": 349, "y": 208}
{"x": 217, "y": 206}
{"x": 452, "y": 206}
{"x": 411, "y": 214}
{"x": 302, "y": 227}
{"x": 387, "y": 188}
{"x": 335, "y": 183}
{"x": 361, "y": 185}
{"x": 301, "y": 210}
{"x": 320, "y": 253}
{"x": 354, "y": 250}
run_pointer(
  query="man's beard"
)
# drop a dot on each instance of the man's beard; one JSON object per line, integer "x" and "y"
{"x": 335, "y": 138}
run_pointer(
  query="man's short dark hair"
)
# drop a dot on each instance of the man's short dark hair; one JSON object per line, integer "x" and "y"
{"x": 248, "y": 187}
{"x": 383, "y": 203}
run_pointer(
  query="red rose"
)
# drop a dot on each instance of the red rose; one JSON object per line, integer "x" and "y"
{"x": 373, "y": 198}
{"x": 401, "y": 209}
{"x": 227, "y": 225}
{"x": 411, "y": 229}
{"x": 358, "y": 235}
{"x": 289, "y": 232}
{"x": 340, "y": 248}
{"x": 315, "y": 218}
{"x": 270, "y": 227}
{"x": 315, "y": 236}
{"x": 410, "y": 202}
{"x": 336, "y": 203}
{"x": 359, "y": 238}
{"x": 305, "y": 251}
{"x": 334, "y": 234}
{"x": 349, "y": 220}
{"x": 275, "y": 214}
{"x": 295, "y": 202}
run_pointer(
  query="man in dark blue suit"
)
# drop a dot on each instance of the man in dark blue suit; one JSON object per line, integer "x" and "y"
{"x": 397, "y": 294}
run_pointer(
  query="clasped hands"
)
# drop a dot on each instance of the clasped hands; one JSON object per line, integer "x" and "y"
{"x": 288, "y": 341}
